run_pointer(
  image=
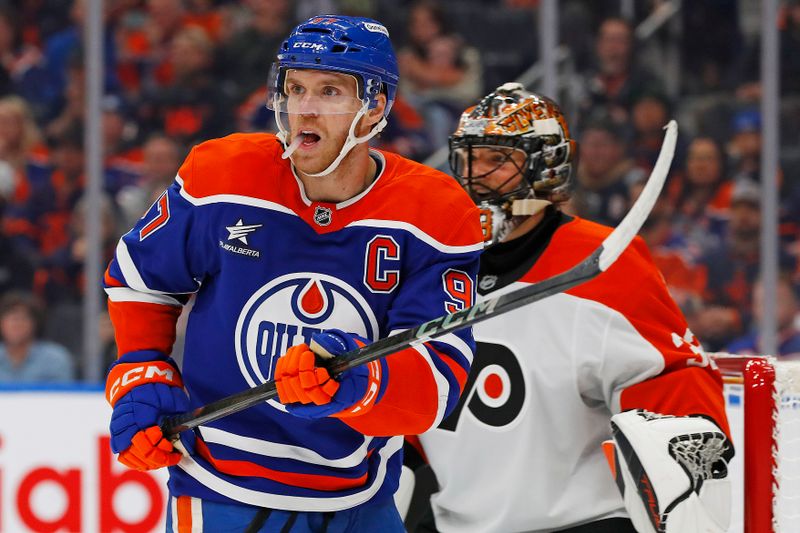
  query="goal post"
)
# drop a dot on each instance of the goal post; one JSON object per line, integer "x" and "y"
{"x": 763, "y": 400}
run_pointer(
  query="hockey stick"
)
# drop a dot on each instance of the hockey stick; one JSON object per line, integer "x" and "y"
{"x": 598, "y": 261}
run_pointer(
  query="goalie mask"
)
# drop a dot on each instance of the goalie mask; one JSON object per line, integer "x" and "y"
{"x": 513, "y": 154}
{"x": 355, "y": 46}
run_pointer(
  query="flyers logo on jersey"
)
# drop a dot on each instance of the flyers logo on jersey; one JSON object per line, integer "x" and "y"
{"x": 495, "y": 390}
{"x": 287, "y": 311}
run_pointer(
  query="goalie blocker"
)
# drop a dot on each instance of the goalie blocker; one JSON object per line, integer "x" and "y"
{"x": 672, "y": 471}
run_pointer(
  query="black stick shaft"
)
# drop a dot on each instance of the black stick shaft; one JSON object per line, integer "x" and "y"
{"x": 586, "y": 269}
{"x": 599, "y": 260}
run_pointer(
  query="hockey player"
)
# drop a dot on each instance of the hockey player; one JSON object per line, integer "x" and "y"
{"x": 304, "y": 238}
{"x": 522, "y": 451}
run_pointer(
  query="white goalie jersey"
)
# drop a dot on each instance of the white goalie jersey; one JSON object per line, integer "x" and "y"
{"x": 522, "y": 451}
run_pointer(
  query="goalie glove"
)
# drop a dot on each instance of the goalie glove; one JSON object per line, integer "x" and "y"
{"x": 672, "y": 472}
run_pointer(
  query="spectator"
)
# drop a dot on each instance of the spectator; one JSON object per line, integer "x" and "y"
{"x": 439, "y": 73}
{"x": 731, "y": 270}
{"x": 20, "y": 69}
{"x": 650, "y": 113}
{"x": 405, "y": 133}
{"x": 788, "y": 312}
{"x": 192, "y": 106}
{"x": 64, "y": 50}
{"x": 16, "y": 270}
{"x": 144, "y": 45}
{"x": 709, "y": 51}
{"x": 24, "y": 159}
{"x": 123, "y": 157}
{"x": 604, "y": 175}
{"x": 59, "y": 279}
{"x": 72, "y": 103}
{"x": 45, "y": 215}
{"x": 161, "y": 158}
{"x": 685, "y": 280}
{"x": 24, "y": 358}
{"x": 702, "y": 197}
{"x": 245, "y": 56}
{"x": 744, "y": 148}
{"x": 616, "y": 79}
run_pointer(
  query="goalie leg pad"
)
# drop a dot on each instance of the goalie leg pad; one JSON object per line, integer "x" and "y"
{"x": 672, "y": 472}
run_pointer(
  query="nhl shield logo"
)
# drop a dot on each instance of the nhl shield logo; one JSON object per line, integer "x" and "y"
{"x": 322, "y": 215}
{"x": 487, "y": 282}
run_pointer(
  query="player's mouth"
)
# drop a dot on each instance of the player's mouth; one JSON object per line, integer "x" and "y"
{"x": 309, "y": 138}
{"x": 306, "y": 140}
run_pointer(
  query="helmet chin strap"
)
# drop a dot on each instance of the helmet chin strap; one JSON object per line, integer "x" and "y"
{"x": 349, "y": 143}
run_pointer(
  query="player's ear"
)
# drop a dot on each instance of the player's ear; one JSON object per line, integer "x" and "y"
{"x": 374, "y": 115}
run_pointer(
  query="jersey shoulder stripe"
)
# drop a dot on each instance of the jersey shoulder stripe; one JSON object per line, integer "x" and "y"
{"x": 410, "y": 192}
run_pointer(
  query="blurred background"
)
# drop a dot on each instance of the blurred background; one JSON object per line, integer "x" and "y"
{"x": 172, "y": 73}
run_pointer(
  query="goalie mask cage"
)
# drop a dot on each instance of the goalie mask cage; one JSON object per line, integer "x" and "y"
{"x": 763, "y": 402}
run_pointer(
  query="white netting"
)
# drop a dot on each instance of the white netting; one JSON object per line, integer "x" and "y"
{"x": 701, "y": 454}
{"x": 787, "y": 494}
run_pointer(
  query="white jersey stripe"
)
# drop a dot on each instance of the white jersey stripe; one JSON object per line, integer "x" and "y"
{"x": 124, "y": 294}
{"x": 128, "y": 268}
{"x": 197, "y": 515}
{"x": 292, "y": 503}
{"x": 442, "y": 385}
{"x": 456, "y": 342}
{"x": 453, "y": 340}
{"x": 173, "y": 505}
{"x": 232, "y": 199}
{"x": 283, "y": 451}
{"x": 419, "y": 234}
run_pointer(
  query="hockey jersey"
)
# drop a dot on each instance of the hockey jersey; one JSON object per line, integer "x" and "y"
{"x": 269, "y": 268}
{"x": 522, "y": 450}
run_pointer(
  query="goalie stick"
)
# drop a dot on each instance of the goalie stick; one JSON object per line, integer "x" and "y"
{"x": 598, "y": 261}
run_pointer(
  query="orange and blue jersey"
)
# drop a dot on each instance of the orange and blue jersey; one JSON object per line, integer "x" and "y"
{"x": 269, "y": 267}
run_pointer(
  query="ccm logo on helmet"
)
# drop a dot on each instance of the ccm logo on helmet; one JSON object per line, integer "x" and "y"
{"x": 314, "y": 46}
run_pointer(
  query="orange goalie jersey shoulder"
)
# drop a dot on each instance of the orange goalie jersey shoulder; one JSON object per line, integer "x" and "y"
{"x": 635, "y": 288}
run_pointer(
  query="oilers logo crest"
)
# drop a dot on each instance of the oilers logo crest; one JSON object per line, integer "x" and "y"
{"x": 287, "y": 311}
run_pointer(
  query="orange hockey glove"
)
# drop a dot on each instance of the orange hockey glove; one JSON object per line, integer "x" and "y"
{"x": 308, "y": 391}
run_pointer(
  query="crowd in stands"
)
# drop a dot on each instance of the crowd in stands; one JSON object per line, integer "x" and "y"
{"x": 178, "y": 72}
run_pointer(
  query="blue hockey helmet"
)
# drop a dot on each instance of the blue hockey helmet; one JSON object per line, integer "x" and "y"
{"x": 352, "y": 45}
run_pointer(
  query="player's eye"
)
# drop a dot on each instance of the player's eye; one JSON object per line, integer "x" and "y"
{"x": 329, "y": 90}
{"x": 295, "y": 89}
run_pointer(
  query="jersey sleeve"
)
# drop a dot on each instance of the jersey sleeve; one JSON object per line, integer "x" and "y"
{"x": 425, "y": 382}
{"x": 156, "y": 267}
{"x": 648, "y": 357}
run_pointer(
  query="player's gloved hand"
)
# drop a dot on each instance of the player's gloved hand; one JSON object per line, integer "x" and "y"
{"x": 672, "y": 472}
{"x": 142, "y": 388}
{"x": 308, "y": 390}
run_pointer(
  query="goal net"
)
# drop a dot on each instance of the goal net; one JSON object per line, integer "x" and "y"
{"x": 763, "y": 404}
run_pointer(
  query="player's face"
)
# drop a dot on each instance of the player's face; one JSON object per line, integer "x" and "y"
{"x": 320, "y": 106}
{"x": 495, "y": 169}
